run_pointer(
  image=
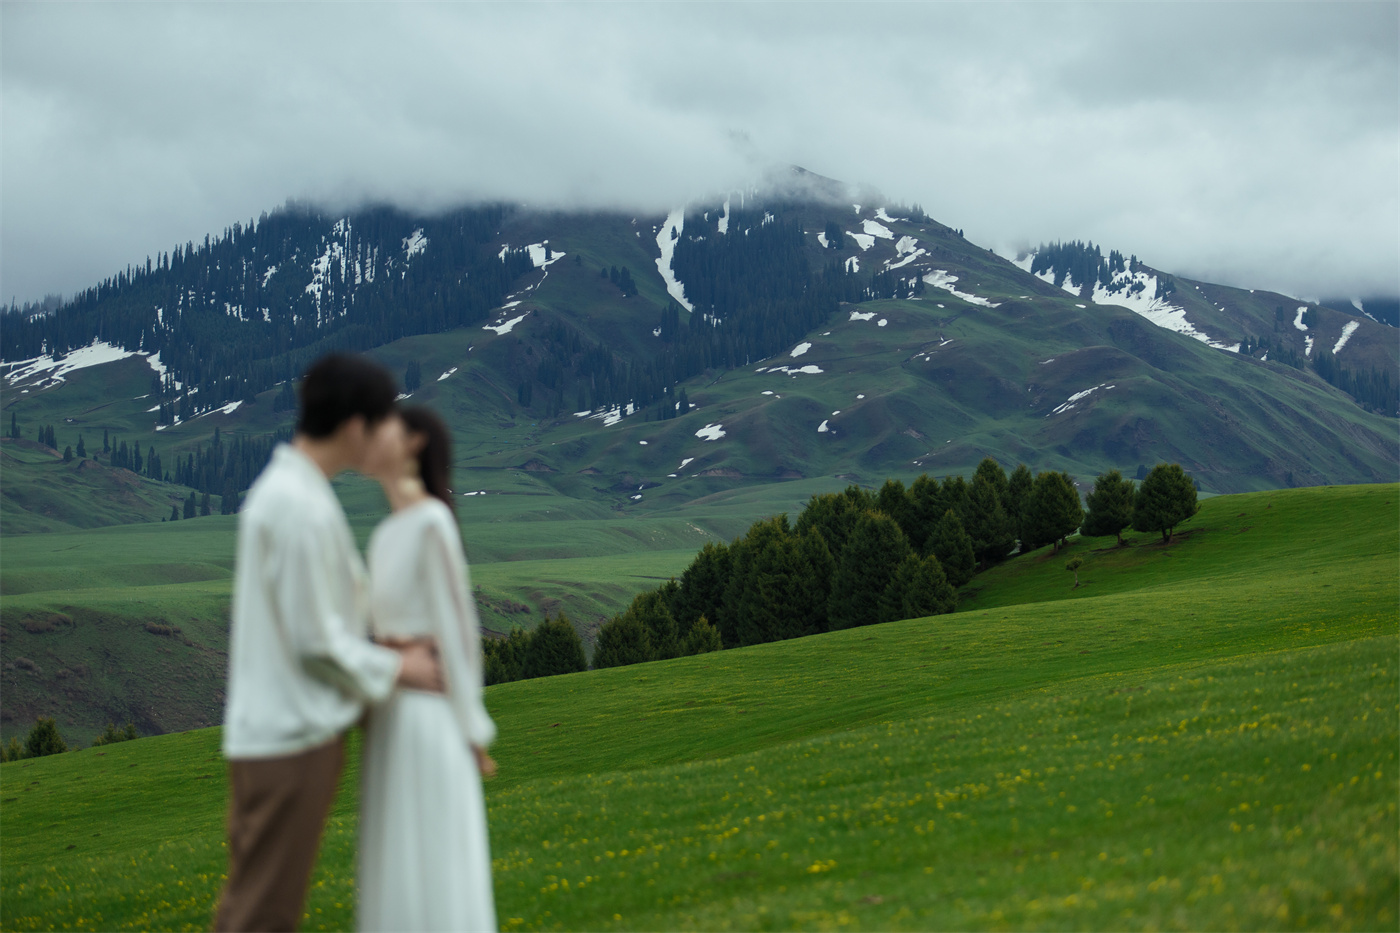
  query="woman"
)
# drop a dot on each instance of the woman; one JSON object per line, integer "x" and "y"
{"x": 425, "y": 863}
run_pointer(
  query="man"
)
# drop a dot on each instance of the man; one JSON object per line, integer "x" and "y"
{"x": 301, "y": 669}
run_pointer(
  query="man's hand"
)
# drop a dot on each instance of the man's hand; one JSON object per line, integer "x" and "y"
{"x": 484, "y": 762}
{"x": 421, "y": 669}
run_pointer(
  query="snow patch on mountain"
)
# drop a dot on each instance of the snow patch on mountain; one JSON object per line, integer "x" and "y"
{"x": 271, "y": 271}
{"x": 1137, "y": 291}
{"x": 1298, "y": 318}
{"x": 1077, "y": 397}
{"x": 821, "y": 238}
{"x": 863, "y": 240}
{"x": 881, "y": 215}
{"x": 940, "y": 278}
{"x": 711, "y": 432}
{"x": 505, "y": 327}
{"x": 1347, "y": 331}
{"x": 853, "y": 264}
{"x": 414, "y": 244}
{"x": 666, "y": 241}
{"x": 862, "y": 315}
{"x": 1307, "y": 346}
{"x": 724, "y": 218}
{"x": 800, "y": 349}
{"x": 446, "y": 374}
{"x": 875, "y": 229}
{"x": 53, "y": 371}
{"x": 822, "y": 428}
{"x": 541, "y": 255}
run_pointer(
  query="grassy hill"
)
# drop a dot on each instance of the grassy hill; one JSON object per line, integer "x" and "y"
{"x": 1202, "y": 737}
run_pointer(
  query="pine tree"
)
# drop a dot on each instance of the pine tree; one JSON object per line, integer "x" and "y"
{"x": 82, "y": 448}
{"x": 925, "y": 509}
{"x": 893, "y": 500}
{"x": 1053, "y": 511}
{"x": 919, "y": 588}
{"x": 811, "y": 585}
{"x": 505, "y": 657}
{"x": 702, "y": 638}
{"x": 867, "y": 564}
{"x": 1166, "y": 498}
{"x": 554, "y": 648}
{"x": 68, "y": 454}
{"x": 174, "y": 513}
{"x": 1018, "y": 490}
{"x": 44, "y": 739}
{"x": 622, "y": 640}
{"x": 106, "y": 443}
{"x": 991, "y": 472}
{"x": 993, "y": 536}
{"x": 760, "y": 580}
{"x": 702, "y": 585}
{"x": 950, "y": 543}
{"x": 14, "y": 426}
{"x": 204, "y": 505}
{"x": 1110, "y": 506}
{"x": 190, "y": 507}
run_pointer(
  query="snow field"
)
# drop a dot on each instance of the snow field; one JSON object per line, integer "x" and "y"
{"x": 710, "y": 432}
{"x": 941, "y": 278}
{"x": 800, "y": 349}
{"x": 863, "y": 240}
{"x": 1347, "y": 331}
{"x": 1073, "y": 401}
{"x": 446, "y": 374}
{"x": 666, "y": 241}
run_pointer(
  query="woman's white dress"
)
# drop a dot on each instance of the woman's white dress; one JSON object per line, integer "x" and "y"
{"x": 425, "y": 861}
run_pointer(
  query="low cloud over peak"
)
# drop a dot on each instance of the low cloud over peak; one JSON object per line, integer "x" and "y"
{"x": 1251, "y": 143}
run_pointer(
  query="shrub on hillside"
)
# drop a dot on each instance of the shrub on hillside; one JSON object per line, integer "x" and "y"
{"x": 112, "y": 734}
{"x": 505, "y": 657}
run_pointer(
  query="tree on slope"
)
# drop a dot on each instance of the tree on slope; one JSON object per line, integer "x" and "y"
{"x": 919, "y": 588}
{"x": 702, "y": 638}
{"x": 1110, "y": 506}
{"x": 993, "y": 538}
{"x": 44, "y": 739}
{"x": 1018, "y": 491}
{"x": 1053, "y": 511}
{"x": 622, "y": 640}
{"x": 950, "y": 544}
{"x": 1166, "y": 498}
{"x": 554, "y": 648}
{"x": 868, "y": 563}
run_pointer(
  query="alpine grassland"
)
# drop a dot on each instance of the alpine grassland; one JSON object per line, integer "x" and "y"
{"x": 1202, "y": 736}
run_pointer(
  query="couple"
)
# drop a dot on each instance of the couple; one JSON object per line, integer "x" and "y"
{"x": 302, "y": 670}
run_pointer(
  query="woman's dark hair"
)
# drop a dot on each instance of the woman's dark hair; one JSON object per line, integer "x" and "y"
{"x": 340, "y": 386}
{"x": 435, "y": 459}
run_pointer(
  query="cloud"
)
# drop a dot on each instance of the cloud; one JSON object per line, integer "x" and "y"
{"x": 1251, "y": 143}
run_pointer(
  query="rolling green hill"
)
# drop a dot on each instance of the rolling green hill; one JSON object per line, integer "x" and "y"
{"x": 1205, "y": 737}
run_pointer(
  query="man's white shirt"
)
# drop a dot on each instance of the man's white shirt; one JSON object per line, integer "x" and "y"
{"x": 301, "y": 667}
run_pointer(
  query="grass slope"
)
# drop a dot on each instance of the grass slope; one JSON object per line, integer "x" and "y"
{"x": 1212, "y": 750}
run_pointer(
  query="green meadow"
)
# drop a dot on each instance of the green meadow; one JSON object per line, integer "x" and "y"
{"x": 1202, "y": 736}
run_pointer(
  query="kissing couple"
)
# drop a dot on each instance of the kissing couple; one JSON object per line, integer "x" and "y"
{"x": 303, "y": 668}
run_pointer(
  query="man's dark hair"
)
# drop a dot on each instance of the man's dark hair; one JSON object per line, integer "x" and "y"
{"x": 340, "y": 386}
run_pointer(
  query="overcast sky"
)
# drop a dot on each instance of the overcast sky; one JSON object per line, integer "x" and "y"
{"x": 1249, "y": 143}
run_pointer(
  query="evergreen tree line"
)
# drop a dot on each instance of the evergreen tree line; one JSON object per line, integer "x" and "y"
{"x": 855, "y": 558}
{"x": 233, "y": 316}
{"x": 44, "y": 739}
{"x": 1374, "y": 389}
{"x": 223, "y": 466}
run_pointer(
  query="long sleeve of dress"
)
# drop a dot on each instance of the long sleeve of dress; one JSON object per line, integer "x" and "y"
{"x": 329, "y": 647}
{"x": 457, "y": 628}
